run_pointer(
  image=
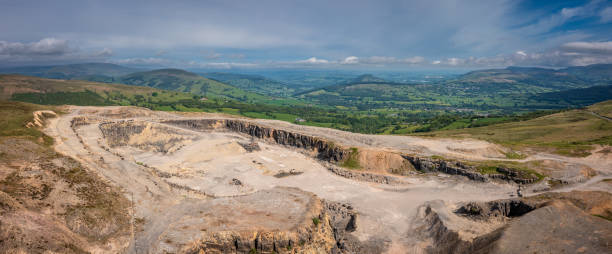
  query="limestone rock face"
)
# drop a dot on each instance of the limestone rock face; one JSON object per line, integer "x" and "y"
{"x": 559, "y": 223}
{"x": 147, "y": 136}
{"x": 432, "y": 165}
{"x": 324, "y": 228}
{"x": 374, "y": 161}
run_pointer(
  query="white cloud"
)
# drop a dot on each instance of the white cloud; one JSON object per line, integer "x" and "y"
{"x": 414, "y": 60}
{"x": 589, "y": 47}
{"x": 351, "y": 60}
{"x": 45, "y": 47}
{"x": 313, "y": 60}
{"x": 142, "y": 61}
{"x": 521, "y": 53}
{"x": 224, "y": 65}
{"x": 382, "y": 60}
{"x": 106, "y": 52}
{"x": 48, "y": 51}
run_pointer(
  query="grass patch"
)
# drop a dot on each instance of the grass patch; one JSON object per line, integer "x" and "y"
{"x": 437, "y": 157}
{"x": 487, "y": 170}
{"x": 352, "y": 161}
{"x": 569, "y": 133}
{"x": 493, "y": 167}
{"x": 85, "y": 98}
{"x": 15, "y": 116}
{"x": 316, "y": 221}
{"x": 515, "y": 155}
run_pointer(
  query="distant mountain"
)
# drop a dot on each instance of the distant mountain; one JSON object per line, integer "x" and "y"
{"x": 596, "y": 72}
{"x": 104, "y": 72}
{"x": 366, "y": 78}
{"x": 184, "y": 81}
{"x": 542, "y": 78}
{"x": 506, "y": 89}
{"x": 577, "y": 97}
{"x": 254, "y": 83}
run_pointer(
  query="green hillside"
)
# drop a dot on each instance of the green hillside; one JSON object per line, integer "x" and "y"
{"x": 254, "y": 83}
{"x": 86, "y": 71}
{"x": 570, "y": 133}
{"x": 188, "y": 82}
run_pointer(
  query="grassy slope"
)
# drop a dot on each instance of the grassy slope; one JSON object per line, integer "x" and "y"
{"x": 253, "y": 83}
{"x": 76, "y": 92}
{"x": 92, "y": 209}
{"x": 85, "y": 71}
{"x": 183, "y": 81}
{"x": 567, "y": 133}
{"x": 15, "y": 115}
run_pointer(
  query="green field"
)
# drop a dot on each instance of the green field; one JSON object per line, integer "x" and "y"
{"x": 568, "y": 133}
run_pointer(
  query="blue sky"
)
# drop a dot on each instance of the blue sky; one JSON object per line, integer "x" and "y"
{"x": 342, "y": 34}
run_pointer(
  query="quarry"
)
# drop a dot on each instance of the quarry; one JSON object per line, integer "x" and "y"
{"x": 213, "y": 183}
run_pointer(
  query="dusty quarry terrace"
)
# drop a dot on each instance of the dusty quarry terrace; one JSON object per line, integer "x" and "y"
{"x": 187, "y": 184}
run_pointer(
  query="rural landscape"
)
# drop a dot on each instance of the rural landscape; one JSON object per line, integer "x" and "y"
{"x": 153, "y": 139}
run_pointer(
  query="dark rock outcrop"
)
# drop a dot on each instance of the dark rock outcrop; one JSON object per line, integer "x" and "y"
{"x": 452, "y": 168}
{"x": 505, "y": 208}
{"x": 363, "y": 176}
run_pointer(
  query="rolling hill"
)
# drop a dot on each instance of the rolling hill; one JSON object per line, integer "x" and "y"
{"x": 254, "y": 83}
{"x": 562, "y": 79}
{"x": 104, "y": 72}
{"x": 184, "y": 81}
{"x": 571, "y": 132}
{"x": 77, "y": 92}
{"x": 492, "y": 91}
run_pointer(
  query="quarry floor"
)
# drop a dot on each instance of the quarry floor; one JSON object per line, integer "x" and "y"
{"x": 213, "y": 183}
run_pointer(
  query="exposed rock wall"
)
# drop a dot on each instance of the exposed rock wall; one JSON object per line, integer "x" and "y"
{"x": 326, "y": 229}
{"x": 147, "y": 136}
{"x": 325, "y": 150}
{"x": 458, "y": 168}
{"x": 374, "y": 161}
{"x": 445, "y": 240}
{"x": 363, "y": 176}
{"x": 498, "y": 209}
{"x": 433, "y": 165}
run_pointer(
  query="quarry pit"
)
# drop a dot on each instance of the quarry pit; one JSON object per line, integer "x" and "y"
{"x": 219, "y": 184}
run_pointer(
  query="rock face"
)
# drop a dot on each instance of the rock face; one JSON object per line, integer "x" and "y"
{"x": 325, "y": 150}
{"x": 343, "y": 220}
{"x": 498, "y": 209}
{"x": 458, "y": 168}
{"x": 557, "y": 223}
{"x": 40, "y": 118}
{"x": 446, "y": 240}
{"x": 147, "y": 136}
{"x": 324, "y": 227}
{"x": 363, "y": 176}
{"x": 434, "y": 165}
{"x": 374, "y": 161}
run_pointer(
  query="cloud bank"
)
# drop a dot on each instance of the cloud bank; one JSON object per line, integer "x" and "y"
{"x": 315, "y": 34}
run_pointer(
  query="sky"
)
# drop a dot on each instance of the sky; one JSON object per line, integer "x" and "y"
{"x": 339, "y": 34}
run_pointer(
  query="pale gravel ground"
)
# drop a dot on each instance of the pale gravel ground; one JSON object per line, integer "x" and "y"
{"x": 212, "y": 159}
